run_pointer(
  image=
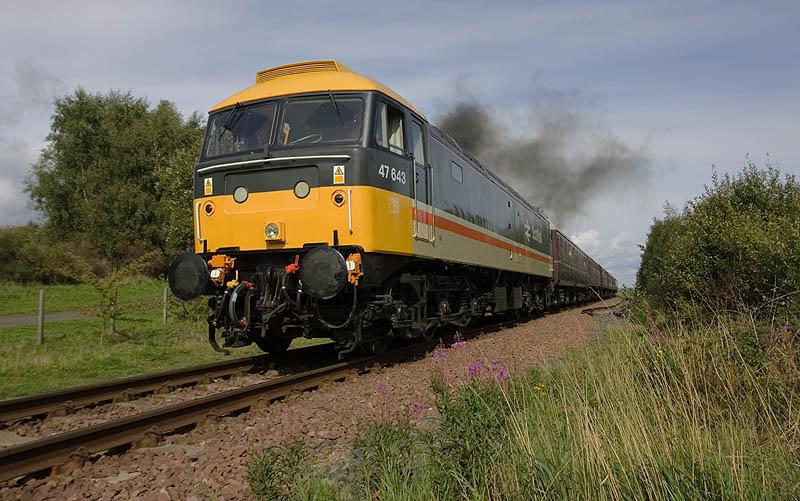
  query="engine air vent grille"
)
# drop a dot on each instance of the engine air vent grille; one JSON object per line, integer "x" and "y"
{"x": 294, "y": 69}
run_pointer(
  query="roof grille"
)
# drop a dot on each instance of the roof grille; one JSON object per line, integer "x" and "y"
{"x": 293, "y": 69}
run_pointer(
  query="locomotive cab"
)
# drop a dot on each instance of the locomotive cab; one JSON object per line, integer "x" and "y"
{"x": 291, "y": 211}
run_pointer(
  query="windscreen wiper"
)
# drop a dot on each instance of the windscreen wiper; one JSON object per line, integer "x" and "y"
{"x": 233, "y": 117}
{"x": 335, "y": 107}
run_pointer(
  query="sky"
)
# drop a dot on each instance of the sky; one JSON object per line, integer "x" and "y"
{"x": 692, "y": 86}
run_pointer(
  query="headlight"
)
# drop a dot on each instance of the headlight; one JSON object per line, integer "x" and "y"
{"x": 301, "y": 189}
{"x": 240, "y": 194}
{"x": 272, "y": 231}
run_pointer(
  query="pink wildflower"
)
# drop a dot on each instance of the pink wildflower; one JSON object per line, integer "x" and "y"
{"x": 458, "y": 341}
{"x": 475, "y": 368}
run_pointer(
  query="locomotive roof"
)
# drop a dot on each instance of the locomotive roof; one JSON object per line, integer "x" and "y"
{"x": 309, "y": 76}
{"x": 330, "y": 75}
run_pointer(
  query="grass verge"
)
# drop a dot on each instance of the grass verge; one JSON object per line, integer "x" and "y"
{"x": 75, "y": 352}
{"x": 23, "y": 299}
{"x": 641, "y": 415}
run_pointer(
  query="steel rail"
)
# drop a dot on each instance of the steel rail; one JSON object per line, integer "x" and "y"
{"x": 605, "y": 308}
{"x": 147, "y": 427}
{"x": 61, "y": 402}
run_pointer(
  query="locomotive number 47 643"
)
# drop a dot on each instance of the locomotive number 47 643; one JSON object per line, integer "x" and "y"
{"x": 396, "y": 175}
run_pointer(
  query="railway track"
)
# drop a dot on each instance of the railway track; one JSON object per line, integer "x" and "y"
{"x": 70, "y": 449}
{"x": 63, "y": 402}
{"x": 64, "y": 451}
{"x": 605, "y": 309}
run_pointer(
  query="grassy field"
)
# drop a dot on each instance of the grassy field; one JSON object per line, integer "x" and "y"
{"x": 19, "y": 299}
{"x": 74, "y": 351}
{"x": 641, "y": 415}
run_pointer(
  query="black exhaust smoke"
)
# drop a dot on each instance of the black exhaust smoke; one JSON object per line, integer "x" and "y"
{"x": 564, "y": 162}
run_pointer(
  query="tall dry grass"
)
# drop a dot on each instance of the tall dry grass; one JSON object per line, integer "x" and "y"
{"x": 646, "y": 413}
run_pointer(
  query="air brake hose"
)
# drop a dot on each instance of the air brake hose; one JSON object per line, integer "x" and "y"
{"x": 349, "y": 317}
{"x": 235, "y": 295}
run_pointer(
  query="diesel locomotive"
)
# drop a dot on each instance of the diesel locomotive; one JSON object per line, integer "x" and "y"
{"x": 326, "y": 205}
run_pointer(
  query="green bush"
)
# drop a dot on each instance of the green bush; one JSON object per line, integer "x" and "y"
{"x": 31, "y": 253}
{"x": 737, "y": 246}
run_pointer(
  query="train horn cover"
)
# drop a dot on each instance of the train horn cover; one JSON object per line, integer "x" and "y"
{"x": 188, "y": 276}
{"x": 323, "y": 272}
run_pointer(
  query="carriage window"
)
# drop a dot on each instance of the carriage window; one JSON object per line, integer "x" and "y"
{"x": 389, "y": 128}
{"x": 456, "y": 172}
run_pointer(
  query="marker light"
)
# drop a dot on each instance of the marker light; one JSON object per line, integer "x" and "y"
{"x": 301, "y": 189}
{"x": 240, "y": 194}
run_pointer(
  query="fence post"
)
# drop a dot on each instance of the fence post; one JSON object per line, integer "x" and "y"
{"x": 40, "y": 330}
{"x": 113, "y": 329}
{"x": 164, "y": 316}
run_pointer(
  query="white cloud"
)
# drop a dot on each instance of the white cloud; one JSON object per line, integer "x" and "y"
{"x": 588, "y": 240}
{"x": 697, "y": 85}
{"x": 15, "y": 160}
{"x": 620, "y": 254}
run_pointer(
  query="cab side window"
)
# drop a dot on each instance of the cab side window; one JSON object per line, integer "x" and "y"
{"x": 418, "y": 146}
{"x": 389, "y": 128}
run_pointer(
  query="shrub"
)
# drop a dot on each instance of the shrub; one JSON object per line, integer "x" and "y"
{"x": 735, "y": 246}
{"x": 31, "y": 253}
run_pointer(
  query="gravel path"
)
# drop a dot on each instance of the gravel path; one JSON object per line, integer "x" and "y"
{"x": 17, "y": 320}
{"x": 210, "y": 461}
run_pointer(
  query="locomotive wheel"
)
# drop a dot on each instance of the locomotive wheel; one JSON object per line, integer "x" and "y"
{"x": 274, "y": 345}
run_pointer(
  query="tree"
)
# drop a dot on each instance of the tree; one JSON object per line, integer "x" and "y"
{"x": 103, "y": 171}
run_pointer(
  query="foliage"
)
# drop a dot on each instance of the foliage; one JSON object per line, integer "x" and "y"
{"x": 738, "y": 244}
{"x": 645, "y": 414}
{"x": 20, "y": 256}
{"x": 273, "y": 472}
{"x": 107, "y": 286}
{"x": 112, "y": 170}
{"x": 32, "y": 253}
{"x": 395, "y": 448}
